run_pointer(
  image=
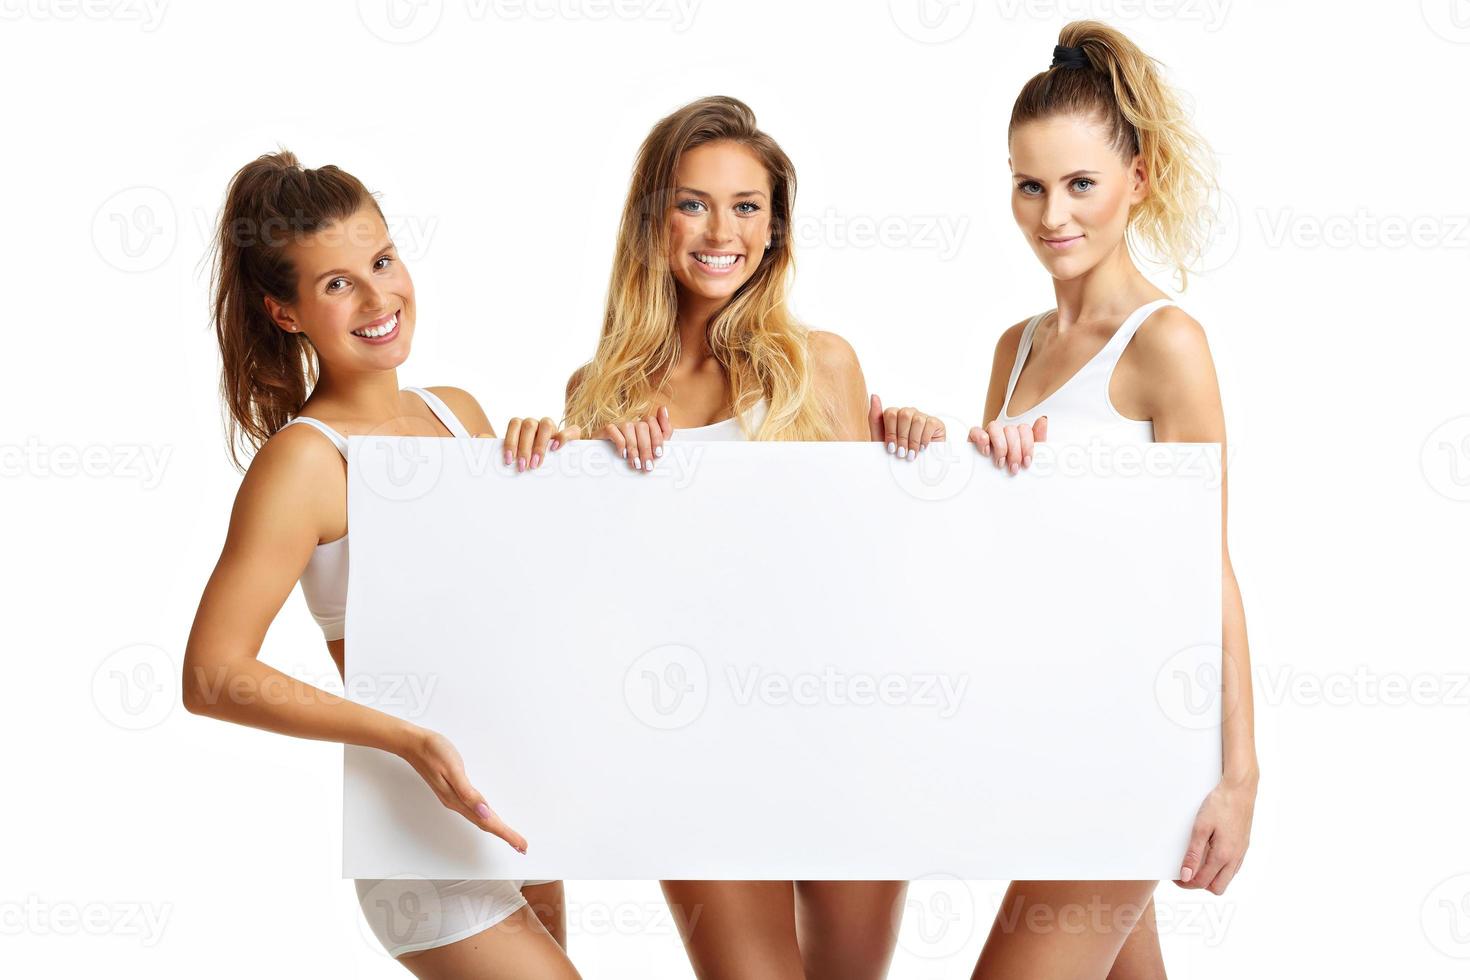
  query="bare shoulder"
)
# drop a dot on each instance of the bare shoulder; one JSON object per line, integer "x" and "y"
{"x": 297, "y": 470}
{"x": 1172, "y": 340}
{"x": 832, "y": 356}
{"x": 1010, "y": 341}
{"x": 465, "y": 408}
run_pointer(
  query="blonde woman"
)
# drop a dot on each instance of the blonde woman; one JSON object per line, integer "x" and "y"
{"x": 1104, "y": 162}
{"x": 697, "y": 337}
{"x": 315, "y": 312}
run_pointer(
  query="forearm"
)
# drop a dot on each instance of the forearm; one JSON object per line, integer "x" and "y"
{"x": 248, "y": 692}
{"x": 1238, "y": 739}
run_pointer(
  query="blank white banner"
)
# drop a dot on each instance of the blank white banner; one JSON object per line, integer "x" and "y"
{"x": 787, "y": 660}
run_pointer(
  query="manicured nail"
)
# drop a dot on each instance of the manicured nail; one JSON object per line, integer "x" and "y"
{"x": 555, "y": 444}
{"x": 1026, "y": 461}
{"x": 658, "y": 451}
{"x": 625, "y": 454}
{"x": 890, "y": 448}
{"x": 521, "y": 464}
{"x": 1015, "y": 468}
{"x": 985, "y": 450}
{"x": 649, "y": 466}
{"x": 483, "y": 811}
{"x": 507, "y": 457}
{"x": 1186, "y": 874}
{"x": 535, "y": 460}
{"x": 637, "y": 463}
{"x": 913, "y": 454}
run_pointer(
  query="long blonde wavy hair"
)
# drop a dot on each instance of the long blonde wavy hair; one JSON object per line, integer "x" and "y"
{"x": 1123, "y": 88}
{"x": 762, "y": 348}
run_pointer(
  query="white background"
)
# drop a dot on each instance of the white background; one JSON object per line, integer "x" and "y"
{"x": 501, "y": 139}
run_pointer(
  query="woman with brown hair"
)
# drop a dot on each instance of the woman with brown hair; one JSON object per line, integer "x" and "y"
{"x": 697, "y": 337}
{"x": 1105, "y": 164}
{"x": 314, "y": 313}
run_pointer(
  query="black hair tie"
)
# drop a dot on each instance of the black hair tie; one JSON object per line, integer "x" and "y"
{"x": 1065, "y": 57}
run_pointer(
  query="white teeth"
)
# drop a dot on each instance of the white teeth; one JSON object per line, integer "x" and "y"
{"x": 378, "y": 331}
{"x": 716, "y": 261}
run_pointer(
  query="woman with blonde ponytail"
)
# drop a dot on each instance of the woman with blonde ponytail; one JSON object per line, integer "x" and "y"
{"x": 697, "y": 335}
{"x": 315, "y": 312}
{"x": 1106, "y": 168}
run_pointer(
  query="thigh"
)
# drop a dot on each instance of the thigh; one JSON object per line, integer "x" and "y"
{"x": 847, "y": 929}
{"x": 548, "y": 899}
{"x": 1061, "y": 930}
{"x": 737, "y": 930}
{"x": 516, "y": 948}
{"x": 1141, "y": 958}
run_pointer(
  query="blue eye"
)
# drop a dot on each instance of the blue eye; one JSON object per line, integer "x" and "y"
{"x": 688, "y": 206}
{"x": 1083, "y": 180}
{"x": 748, "y": 204}
{"x": 1029, "y": 187}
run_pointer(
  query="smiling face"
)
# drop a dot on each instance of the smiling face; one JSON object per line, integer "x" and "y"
{"x": 1072, "y": 192}
{"x": 354, "y": 298}
{"x": 720, "y": 221}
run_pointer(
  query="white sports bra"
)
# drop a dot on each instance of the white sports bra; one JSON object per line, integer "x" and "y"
{"x": 324, "y": 580}
{"x": 1080, "y": 410}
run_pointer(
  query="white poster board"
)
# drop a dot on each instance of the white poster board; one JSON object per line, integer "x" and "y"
{"x": 787, "y": 660}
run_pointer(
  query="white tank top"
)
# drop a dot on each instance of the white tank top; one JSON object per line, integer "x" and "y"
{"x": 1080, "y": 410}
{"x": 324, "y": 580}
{"x": 727, "y": 430}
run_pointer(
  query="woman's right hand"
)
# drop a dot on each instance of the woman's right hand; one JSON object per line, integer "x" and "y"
{"x": 438, "y": 763}
{"x": 641, "y": 442}
{"x": 528, "y": 441}
{"x": 1010, "y": 446}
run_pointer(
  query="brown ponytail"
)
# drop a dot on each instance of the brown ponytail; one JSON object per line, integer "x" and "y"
{"x": 1099, "y": 73}
{"x": 266, "y": 373}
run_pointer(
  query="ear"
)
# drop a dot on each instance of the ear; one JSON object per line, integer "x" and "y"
{"x": 281, "y": 316}
{"x": 1140, "y": 181}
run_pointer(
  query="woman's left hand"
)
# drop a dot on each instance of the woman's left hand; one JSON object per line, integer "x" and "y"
{"x": 527, "y": 441}
{"x": 906, "y": 431}
{"x": 1222, "y": 832}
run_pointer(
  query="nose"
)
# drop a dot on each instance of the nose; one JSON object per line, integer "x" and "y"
{"x": 371, "y": 296}
{"x": 1056, "y": 213}
{"x": 718, "y": 228}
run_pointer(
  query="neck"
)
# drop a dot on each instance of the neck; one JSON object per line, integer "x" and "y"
{"x": 371, "y": 395}
{"x": 1111, "y": 287}
{"x": 695, "y": 314}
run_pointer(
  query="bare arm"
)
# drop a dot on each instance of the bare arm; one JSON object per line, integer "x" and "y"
{"x": 1185, "y": 406}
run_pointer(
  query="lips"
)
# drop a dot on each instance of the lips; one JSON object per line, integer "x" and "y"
{"x": 717, "y": 263}
{"x": 1062, "y": 244}
{"x": 383, "y": 329}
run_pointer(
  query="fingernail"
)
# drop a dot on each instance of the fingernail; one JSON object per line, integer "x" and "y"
{"x": 984, "y": 450}
{"x": 1026, "y": 461}
{"x": 913, "y": 454}
{"x": 650, "y": 465}
{"x": 890, "y": 447}
{"x": 507, "y": 457}
{"x": 483, "y": 811}
{"x": 521, "y": 464}
{"x": 637, "y": 463}
{"x": 1186, "y": 874}
{"x": 535, "y": 460}
{"x": 658, "y": 451}
{"x": 555, "y": 444}
{"x": 625, "y": 454}
{"x": 1015, "y": 469}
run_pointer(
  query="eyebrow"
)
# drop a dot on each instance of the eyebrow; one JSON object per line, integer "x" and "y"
{"x": 698, "y": 193}
{"x": 343, "y": 272}
{"x": 1075, "y": 173}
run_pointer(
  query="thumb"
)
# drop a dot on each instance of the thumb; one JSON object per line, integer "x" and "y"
{"x": 875, "y": 418}
{"x": 664, "y": 424}
{"x": 1038, "y": 431}
{"x": 1194, "y": 856}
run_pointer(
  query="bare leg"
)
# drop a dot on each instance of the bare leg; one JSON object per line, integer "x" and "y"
{"x": 1141, "y": 958}
{"x": 847, "y": 929}
{"x": 517, "y": 948}
{"x": 737, "y": 930}
{"x": 1061, "y": 930}
{"x": 549, "y": 902}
